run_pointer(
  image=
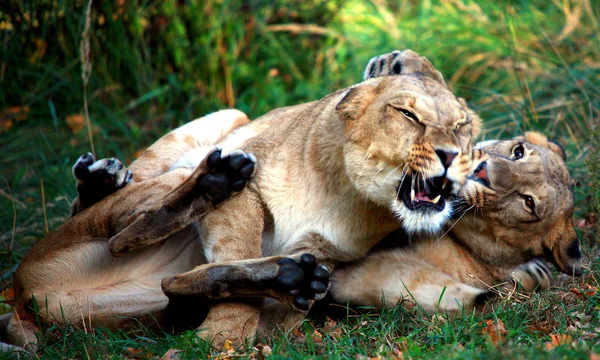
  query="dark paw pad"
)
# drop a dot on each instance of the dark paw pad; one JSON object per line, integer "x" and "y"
{"x": 98, "y": 179}
{"x": 227, "y": 174}
{"x": 80, "y": 169}
{"x": 303, "y": 280}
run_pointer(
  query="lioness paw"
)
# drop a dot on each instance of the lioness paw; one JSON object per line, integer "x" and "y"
{"x": 98, "y": 179}
{"x": 304, "y": 280}
{"x": 534, "y": 275}
{"x": 401, "y": 63}
{"x": 226, "y": 174}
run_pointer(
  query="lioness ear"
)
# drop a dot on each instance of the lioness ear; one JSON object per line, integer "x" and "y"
{"x": 475, "y": 119}
{"x": 540, "y": 140}
{"x": 354, "y": 104}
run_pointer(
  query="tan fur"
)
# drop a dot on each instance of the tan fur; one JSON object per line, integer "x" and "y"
{"x": 71, "y": 274}
{"x": 326, "y": 184}
{"x": 331, "y": 168}
{"x": 488, "y": 245}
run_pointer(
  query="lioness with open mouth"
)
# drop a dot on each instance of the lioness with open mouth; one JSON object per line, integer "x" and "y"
{"x": 519, "y": 208}
{"x": 335, "y": 176}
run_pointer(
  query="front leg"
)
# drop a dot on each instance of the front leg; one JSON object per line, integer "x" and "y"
{"x": 527, "y": 278}
{"x": 294, "y": 280}
{"x": 97, "y": 180}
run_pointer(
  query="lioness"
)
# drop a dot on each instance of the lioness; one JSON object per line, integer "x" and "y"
{"x": 334, "y": 177}
{"x": 343, "y": 143}
{"x": 520, "y": 208}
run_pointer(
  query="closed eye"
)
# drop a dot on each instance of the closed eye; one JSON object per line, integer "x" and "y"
{"x": 408, "y": 114}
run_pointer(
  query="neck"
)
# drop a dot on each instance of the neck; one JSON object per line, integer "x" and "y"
{"x": 477, "y": 236}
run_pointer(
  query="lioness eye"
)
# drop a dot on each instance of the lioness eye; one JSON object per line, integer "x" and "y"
{"x": 409, "y": 114}
{"x": 518, "y": 152}
{"x": 529, "y": 204}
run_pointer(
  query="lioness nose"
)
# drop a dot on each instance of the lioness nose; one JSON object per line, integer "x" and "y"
{"x": 446, "y": 157}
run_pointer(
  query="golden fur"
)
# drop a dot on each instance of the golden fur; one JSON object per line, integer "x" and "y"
{"x": 490, "y": 244}
{"x": 343, "y": 156}
{"x": 327, "y": 184}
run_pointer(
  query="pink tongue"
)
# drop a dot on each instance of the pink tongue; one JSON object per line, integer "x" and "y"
{"x": 422, "y": 196}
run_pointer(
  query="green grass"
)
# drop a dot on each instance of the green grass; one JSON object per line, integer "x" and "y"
{"x": 523, "y": 65}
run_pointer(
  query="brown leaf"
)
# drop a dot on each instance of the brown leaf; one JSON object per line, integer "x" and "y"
{"x": 172, "y": 354}
{"x": 331, "y": 327}
{"x": 594, "y": 356}
{"x": 9, "y": 295}
{"x": 587, "y": 291}
{"x": 12, "y": 114}
{"x": 133, "y": 352}
{"x": 317, "y": 337}
{"x": 495, "y": 332}
{"x": 76, "y": 122}
{"x": 589, "y": 221}
{"x": 558, "y": 340}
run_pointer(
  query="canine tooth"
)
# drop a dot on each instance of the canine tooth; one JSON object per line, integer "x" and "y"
{"x": 412, "y": 195}
{"x": 445, "y": 183}
{"x": 437, "y": 198}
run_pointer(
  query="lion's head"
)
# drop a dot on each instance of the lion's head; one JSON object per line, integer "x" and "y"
{"x": 522, "y": 189}
{"x": 408, "y": 146}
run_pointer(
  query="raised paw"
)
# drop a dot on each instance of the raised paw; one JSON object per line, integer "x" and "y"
{"x": 226, "y": 174}
{"x": 401, "y": 63}
{"x": 98, "y": 179}
{"x": 534, "y": 275}
{"x": 304, "y": 280}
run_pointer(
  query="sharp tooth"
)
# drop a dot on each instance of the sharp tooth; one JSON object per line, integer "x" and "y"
{"x": 445, "y": 183}
{"x": 437, "y": 198}
{"x": 412, "y": 195}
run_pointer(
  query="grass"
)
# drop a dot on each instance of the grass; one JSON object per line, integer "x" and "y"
{"x": 523, "y": 65}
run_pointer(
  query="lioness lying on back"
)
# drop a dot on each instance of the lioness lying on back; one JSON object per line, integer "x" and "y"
{"x": 519, "y": 208}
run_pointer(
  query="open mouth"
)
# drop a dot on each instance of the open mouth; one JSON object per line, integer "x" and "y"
{"x": 428, "y": 194}
{"x": 480, "y": 175}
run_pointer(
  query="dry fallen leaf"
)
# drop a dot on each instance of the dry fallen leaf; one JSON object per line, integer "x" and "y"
{"x": 331, "y": 328}
{"x": 76, "y": 122}
{"x": 558, "y": 340}
{"x": 228, "y": 345}
{"x": 133, "y": 352}
{"x": 8, "y": 295}
{"x": 172, "y": 354}
{"x": 494, "y": 331}
{"x": 317, "y": 337}
{"x": 589, "y": 221}
{"x": 12, "y": 114}
{"x": 263, "y": 350}
{"x": 586, "y": 291}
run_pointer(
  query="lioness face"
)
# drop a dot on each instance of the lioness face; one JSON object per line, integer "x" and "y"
{"x": 408, "y": 146}
{"x": 523, "y": 189}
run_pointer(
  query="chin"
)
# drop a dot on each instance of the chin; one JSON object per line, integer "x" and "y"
{"x": 423, "y": 220}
